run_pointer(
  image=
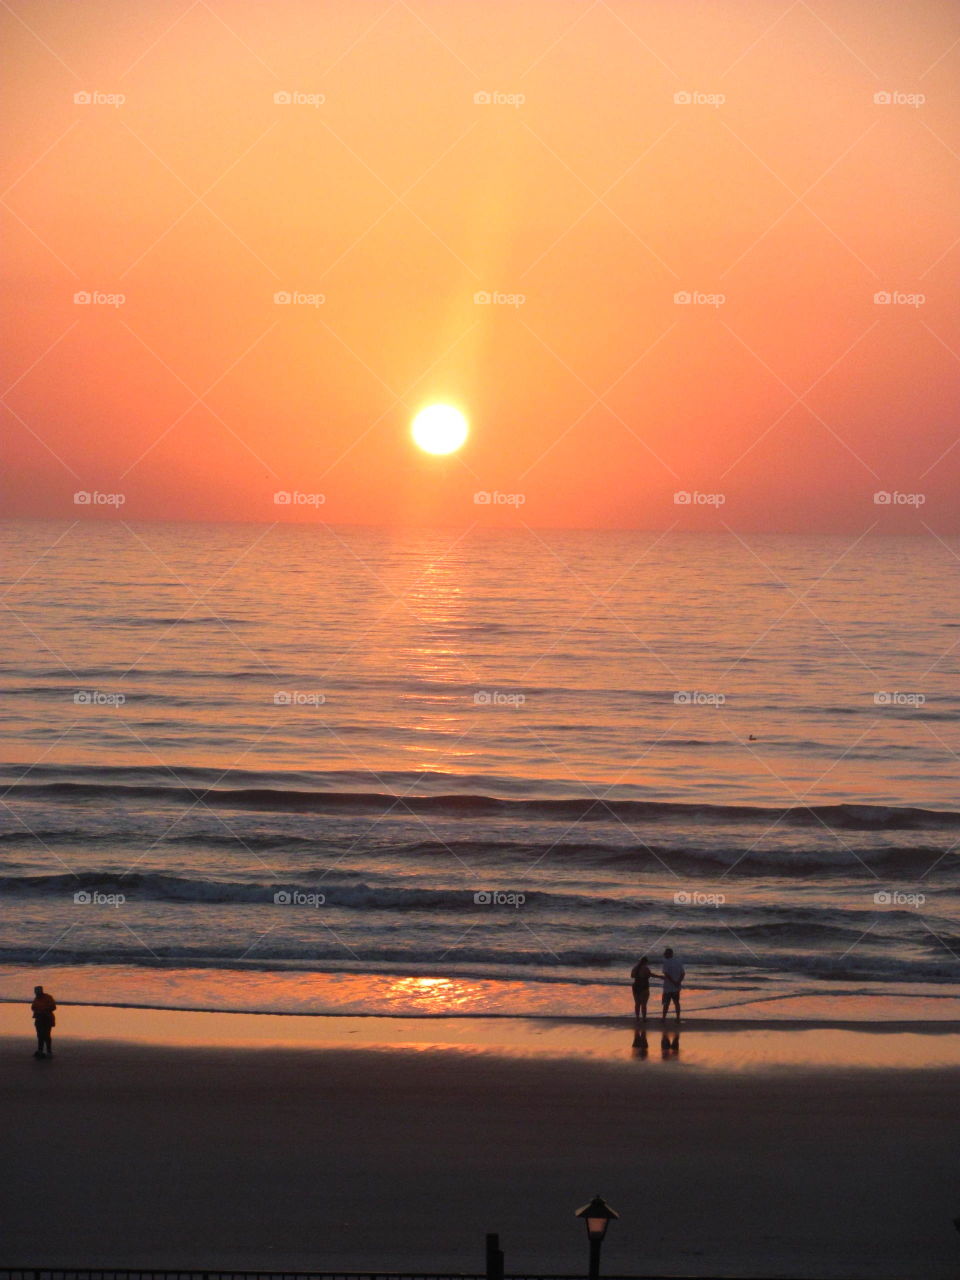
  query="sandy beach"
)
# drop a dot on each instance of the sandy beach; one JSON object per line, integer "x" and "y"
{"x": 386, "y": 1143}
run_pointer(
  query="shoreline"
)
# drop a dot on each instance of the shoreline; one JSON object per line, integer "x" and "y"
{"x": 736, "y": 1047}
{"x": 693, "y": 1022}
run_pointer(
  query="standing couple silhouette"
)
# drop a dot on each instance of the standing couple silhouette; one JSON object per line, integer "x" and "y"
{"x": 673, "y": 974}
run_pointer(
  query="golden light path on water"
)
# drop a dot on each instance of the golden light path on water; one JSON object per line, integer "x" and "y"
{"x": 435, "y": 995}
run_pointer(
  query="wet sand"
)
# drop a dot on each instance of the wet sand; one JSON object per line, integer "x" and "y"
{"x": 374, "y": 1144}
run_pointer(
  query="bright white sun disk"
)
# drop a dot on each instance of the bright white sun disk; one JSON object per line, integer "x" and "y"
{"x": 439, "y": 429}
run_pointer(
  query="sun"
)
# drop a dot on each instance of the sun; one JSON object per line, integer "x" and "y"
{"x": 439, "y": 429}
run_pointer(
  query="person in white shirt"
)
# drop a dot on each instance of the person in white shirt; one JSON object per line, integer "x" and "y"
{"x": 673, "y": 976}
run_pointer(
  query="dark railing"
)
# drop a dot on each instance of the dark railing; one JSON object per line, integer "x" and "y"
{"x": 149, "y": 1273}
{"x": 153, "y": 1273}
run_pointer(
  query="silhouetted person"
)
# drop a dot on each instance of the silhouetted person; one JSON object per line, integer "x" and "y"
{"x": 673, "y": 976}
{"x": 44, "y": 1021}
{"x": 641, "y": 974}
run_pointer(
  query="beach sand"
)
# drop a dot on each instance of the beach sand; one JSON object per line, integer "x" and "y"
{"x": 269, "y": 1142}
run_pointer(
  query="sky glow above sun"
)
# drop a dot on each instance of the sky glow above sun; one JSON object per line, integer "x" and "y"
{"x": 735, "y": 277}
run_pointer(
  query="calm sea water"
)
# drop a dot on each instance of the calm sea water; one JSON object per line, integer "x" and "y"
{"x": 299, "y": 768}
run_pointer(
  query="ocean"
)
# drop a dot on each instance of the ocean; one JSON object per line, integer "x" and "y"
{"x": 309, "y": 769}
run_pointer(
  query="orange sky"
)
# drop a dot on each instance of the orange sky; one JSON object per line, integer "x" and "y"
{"x": 597, "y": 198}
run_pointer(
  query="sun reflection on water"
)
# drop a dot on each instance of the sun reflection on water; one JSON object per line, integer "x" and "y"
{"x": 432, "y": 995}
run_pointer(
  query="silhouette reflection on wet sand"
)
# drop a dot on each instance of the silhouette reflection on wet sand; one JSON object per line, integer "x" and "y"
{"x": 669, "y": 1046}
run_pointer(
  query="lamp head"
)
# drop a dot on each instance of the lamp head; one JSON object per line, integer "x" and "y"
{"x": 598, "y": 1215}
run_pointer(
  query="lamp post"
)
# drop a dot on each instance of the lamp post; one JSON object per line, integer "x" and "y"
{"x": 494, "y": 1257}
{"x": 598, "y": 1216}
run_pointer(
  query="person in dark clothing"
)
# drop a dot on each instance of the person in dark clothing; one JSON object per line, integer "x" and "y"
{"x": 44, "y": 1021}
{"x": 641, "y": 973}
